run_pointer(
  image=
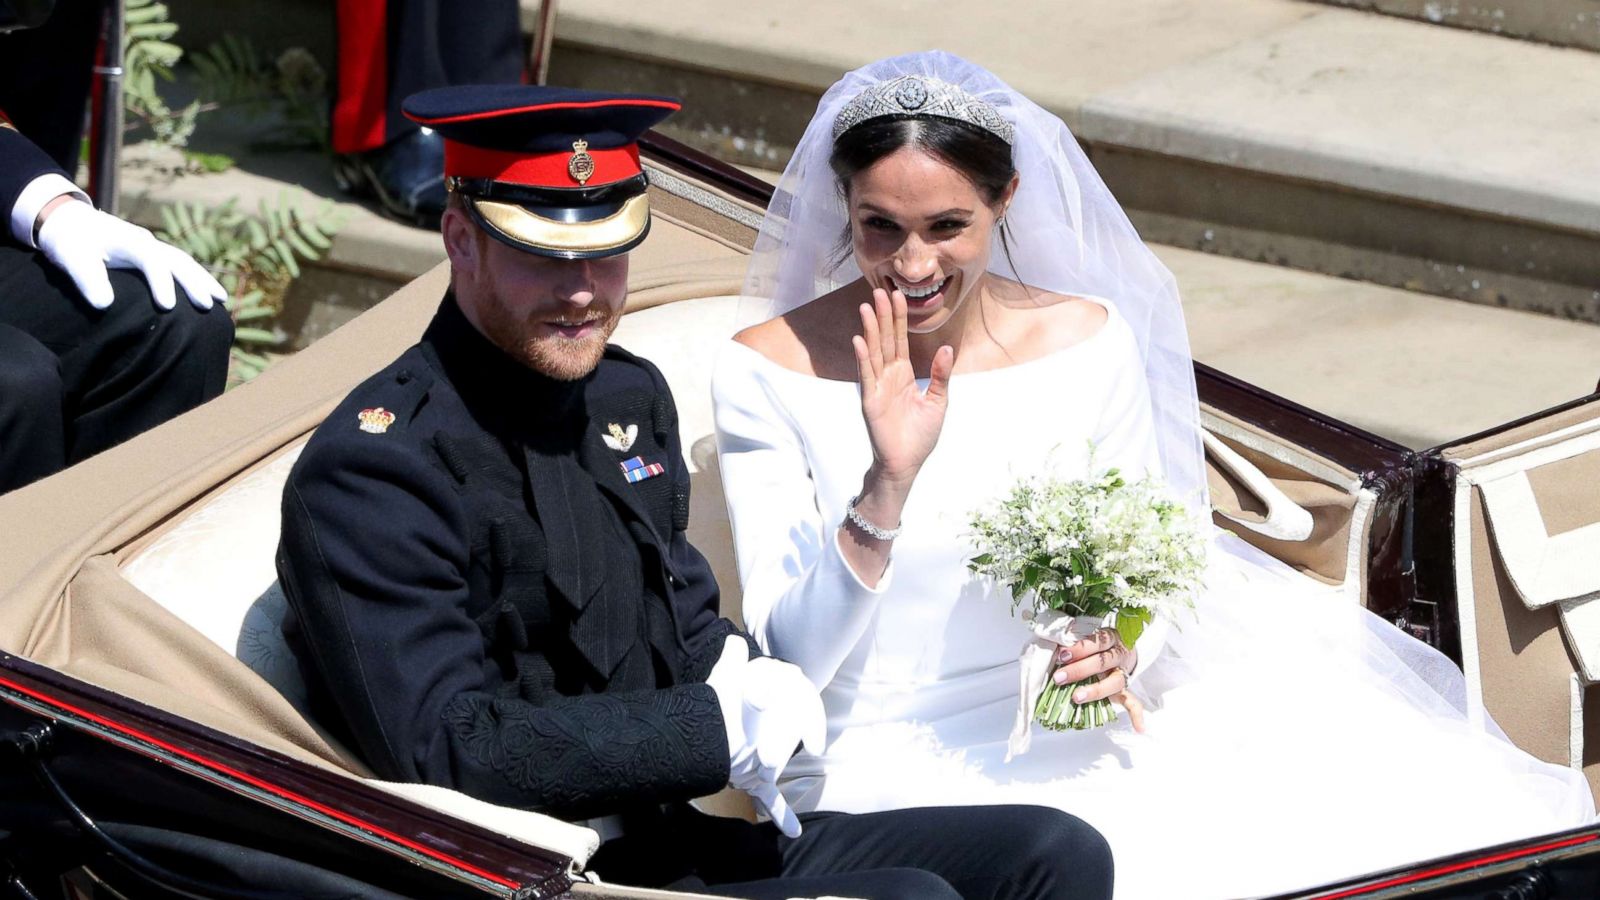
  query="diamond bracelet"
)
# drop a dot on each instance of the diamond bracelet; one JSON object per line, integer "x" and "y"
{"x": 867, "y": 528}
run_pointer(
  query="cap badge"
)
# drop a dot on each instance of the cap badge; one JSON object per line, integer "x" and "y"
{"x": 581, "y": 165}
{"x": 376, "y": 420}
{"x": 621, "y": 439}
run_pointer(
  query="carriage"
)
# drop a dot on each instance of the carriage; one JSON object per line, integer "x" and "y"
{"x": 153, "y": 729}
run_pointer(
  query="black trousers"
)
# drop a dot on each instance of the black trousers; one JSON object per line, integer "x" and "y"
{"x": 45, "y": 74}
{"x": 75, "y": 380}
{"x": 390, "y": 49}
{"x": 933, "y": 853}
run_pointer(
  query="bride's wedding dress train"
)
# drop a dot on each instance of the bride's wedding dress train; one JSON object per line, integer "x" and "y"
{"x": 1293, "y": 738}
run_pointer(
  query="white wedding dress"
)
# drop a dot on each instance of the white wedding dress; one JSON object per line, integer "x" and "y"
{"x": 1285, "y": 745}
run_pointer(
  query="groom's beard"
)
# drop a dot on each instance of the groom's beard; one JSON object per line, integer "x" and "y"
{"x": 531, "y": 341}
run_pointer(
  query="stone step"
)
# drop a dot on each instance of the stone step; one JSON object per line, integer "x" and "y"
{"x": 1564, "y": 23}
{"x": 1298, "y": 133}
{"x": 1305, "y": 183}
{"x": 1327, "y": 139}
{"x": 1413, "y": 367}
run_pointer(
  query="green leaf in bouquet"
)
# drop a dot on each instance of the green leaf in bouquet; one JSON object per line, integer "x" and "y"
{"x": 1034, "y": 575}
{"x": 1131, "y": 622}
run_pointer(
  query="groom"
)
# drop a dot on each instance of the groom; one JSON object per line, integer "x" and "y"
{"x": 484, "y": 550}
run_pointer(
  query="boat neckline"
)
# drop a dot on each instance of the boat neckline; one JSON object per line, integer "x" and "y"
{"x": 1069, "y": 350}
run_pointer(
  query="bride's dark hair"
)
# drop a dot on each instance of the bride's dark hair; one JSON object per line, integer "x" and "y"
{"x": 979, "y": 155}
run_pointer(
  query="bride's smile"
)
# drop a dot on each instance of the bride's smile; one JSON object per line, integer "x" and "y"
{"x": 923, "y": 228}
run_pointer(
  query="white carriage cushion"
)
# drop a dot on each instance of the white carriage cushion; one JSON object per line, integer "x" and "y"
{"x": 215, "y": 571}
{"x": 683, "y": 340}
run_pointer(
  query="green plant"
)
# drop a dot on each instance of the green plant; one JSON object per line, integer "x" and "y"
{"x": 148, "y": 56}
{"x": 232, "y": 72}
{"x": 256, "y": 257}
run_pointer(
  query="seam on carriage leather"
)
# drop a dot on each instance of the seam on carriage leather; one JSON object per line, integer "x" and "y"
{"x": 662, "y": 212}
{"x": 1466, "y": 610}
{"x": 1355, "y": 566}
{"x": 672, "y": 184}
{"x": 1286, "y": 455}
{"x": 1580, "y": 628}
{"x": 1574, "y": 445}
{"x": 1533, "y": 443}
{"x": 1544, "y": 568}
{"x": 1575, "y": 722}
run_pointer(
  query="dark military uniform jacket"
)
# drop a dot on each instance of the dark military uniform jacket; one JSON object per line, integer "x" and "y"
{"x": 491, "y": 597}
{"x": 20, "y": 163}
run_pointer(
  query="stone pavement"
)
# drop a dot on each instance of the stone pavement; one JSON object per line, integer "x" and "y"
{"x": 1416, "y": 368}
{"x": 1301, "y": 134}
{"x": 1331, "y": 139}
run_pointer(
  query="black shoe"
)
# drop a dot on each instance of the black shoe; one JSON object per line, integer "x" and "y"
{"x": 405, "y": 176}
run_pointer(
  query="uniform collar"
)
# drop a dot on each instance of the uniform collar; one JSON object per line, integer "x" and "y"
{"x": 483, "y": 373}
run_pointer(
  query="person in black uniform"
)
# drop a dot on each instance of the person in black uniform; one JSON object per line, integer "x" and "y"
{"x": 389, "y": 50}
{"x": 47, "y": 58}
{"x": 484, "y": 550}
{"x": 90, "y": 354}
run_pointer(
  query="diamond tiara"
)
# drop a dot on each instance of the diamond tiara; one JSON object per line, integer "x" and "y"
{"x": 919, "y": 95}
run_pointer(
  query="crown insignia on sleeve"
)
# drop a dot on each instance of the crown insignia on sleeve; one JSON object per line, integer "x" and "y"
{"x": 375, "y": 420}
{"x": 581, "y": 165}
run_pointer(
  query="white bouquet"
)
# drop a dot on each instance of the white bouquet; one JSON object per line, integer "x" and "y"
{"x": 1078, "y": 556}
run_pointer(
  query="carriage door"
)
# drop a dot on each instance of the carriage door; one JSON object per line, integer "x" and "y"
{"x": 1511, "y": 528}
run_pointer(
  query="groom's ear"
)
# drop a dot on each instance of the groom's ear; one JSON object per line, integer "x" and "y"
{"x": 461, "y": 242}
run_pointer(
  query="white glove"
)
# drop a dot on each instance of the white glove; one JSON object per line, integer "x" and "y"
{"x": 83, "y": 241}
{"x": 769, "y": 707}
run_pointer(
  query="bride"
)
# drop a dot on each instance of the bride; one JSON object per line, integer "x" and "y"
{"x": 944, "y": 297}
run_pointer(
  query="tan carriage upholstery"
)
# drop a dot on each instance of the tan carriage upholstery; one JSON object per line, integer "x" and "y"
{"x": 1332, "y": 547}
{"x": 1526, "y": 552}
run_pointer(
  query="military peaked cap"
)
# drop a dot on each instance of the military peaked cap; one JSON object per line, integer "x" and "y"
{"x": 552, "y": 171}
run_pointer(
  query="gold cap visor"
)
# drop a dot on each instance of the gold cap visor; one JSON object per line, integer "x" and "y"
{"x": 519, "y": 227}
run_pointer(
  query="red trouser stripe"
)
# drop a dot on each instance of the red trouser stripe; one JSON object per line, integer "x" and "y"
{"x": 361, "y": 109}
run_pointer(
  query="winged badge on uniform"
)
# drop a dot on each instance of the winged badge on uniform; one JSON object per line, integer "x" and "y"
{"x": 619, "y": 438}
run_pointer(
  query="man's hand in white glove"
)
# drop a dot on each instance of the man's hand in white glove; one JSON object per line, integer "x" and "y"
{"x": 83, "y": 242}
{"x": 769, "y": 708}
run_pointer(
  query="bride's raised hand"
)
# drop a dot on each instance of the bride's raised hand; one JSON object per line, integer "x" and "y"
{"x": 903, "y": 420}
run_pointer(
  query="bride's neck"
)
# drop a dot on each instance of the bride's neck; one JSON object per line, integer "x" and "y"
{"x": 974, "y": 329}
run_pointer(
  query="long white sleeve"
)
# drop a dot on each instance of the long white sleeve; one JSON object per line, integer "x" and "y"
{"x": 802, "y": 601}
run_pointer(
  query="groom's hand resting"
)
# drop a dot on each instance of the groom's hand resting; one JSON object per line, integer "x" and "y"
{"x": 769, "y": 708}
{"x": 1102, "y": 654}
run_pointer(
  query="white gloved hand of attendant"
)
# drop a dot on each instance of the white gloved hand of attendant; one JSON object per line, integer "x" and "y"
{"x": 769, "y": 708}
{"x": 83, "y": 242}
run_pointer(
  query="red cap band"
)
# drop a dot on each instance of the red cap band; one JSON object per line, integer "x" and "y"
{"x": 540, "y": 169}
